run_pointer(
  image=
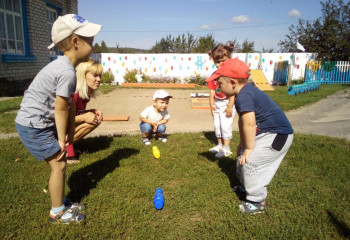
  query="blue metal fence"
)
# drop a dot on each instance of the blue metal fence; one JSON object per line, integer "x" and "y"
{"x": 328, "y": 72}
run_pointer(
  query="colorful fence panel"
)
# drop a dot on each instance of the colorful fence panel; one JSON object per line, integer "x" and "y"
{"x": 280, "y": 75}
{"x": 328, "y": 72}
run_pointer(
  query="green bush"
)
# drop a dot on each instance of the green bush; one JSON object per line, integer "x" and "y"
{"x": 197, "y": 79}
{"x": 107, "y": 77}
{"x": 130, "y": 76}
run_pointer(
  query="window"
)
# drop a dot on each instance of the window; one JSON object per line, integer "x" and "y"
{"x": 14, "y": 41}
{"x": 11, "y": 27}
{"x": 51, "y": 18}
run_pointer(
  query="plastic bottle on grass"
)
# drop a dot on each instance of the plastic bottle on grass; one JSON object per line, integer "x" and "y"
{"x": 158, "y": 199}
{"x": 156, "y": 152}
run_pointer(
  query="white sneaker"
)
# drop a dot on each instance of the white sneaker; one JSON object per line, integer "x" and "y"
{"x": 215, "y": 149}
{"x": 145, "y": 141}
{"x": 223, "y": 153}
{"x": 163, "y": 139}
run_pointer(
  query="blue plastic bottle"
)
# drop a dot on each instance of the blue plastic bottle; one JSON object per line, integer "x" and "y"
{"x": 158, "y": 199}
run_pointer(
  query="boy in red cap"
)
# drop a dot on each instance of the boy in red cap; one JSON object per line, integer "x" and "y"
{"x": 265, "y": 134}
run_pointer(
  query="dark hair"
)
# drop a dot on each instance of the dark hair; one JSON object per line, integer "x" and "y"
{"x": 220, "y": 51}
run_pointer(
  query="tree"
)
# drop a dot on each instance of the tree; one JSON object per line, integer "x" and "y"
{"x": 247, "y": 47}
{"x": 97, "y": 48}
{"x": 267, "y": 50}
{"x": 103, "y": 48}
{"x": 205, "y": 44}
{"x": 328, "y": 35}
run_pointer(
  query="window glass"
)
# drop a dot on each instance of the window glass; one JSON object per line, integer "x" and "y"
{"x": 20, "y": 47}
{"x": 2, "y": 4}
{"x": 3, "y": 45}
{"x": 19, "y": 34}
{"x": 8, "y": 5}
{"x": 10, "y": 26}
{"x": 16, "y": 6}
{"x": 12, "y": 46}
{"x": 2, "y": 25}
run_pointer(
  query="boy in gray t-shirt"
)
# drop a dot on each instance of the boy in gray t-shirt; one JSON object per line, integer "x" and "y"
{"x": 45, "y": 121}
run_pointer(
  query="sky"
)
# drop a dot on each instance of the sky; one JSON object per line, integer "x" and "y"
{"x": 141, "y": 23}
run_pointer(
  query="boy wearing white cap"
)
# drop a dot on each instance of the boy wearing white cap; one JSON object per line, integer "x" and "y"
{"x": 45, "y": 121}
{"x": 154, "y": 118}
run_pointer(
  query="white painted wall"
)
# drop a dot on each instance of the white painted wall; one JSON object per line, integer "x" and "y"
{"x": 187, "y": 65}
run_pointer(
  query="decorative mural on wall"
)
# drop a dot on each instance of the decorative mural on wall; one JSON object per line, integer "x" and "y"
{"x": 187, "y": 65}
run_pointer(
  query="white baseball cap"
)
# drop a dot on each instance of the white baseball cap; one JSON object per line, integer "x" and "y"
{"x": 161, "y": 94}
{"x": 66, "y": 25}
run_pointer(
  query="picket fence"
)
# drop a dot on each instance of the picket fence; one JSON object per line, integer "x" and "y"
{"x": 328, "y": 72}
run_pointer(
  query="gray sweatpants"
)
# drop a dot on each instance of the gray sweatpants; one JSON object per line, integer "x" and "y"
{"x": 262, "y": 164}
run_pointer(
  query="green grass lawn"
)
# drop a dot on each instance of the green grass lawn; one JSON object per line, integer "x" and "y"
{"x": 117, "y": 177}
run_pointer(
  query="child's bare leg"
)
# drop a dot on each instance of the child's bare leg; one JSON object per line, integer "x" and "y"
{"x": 57, "y": 181}
{"x": 227, "y": 142}
{"x": 82, "y": 130}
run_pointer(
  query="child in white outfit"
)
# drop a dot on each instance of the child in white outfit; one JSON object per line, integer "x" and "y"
{"x": 154, "y": 118}
{"x": 221, "y": 106}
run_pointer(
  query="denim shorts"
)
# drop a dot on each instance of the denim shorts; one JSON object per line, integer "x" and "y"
{"x": 41, "y": 142}
{"x": 147, "y": 128}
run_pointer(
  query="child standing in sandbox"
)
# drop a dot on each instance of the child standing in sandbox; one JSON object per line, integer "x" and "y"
{"x": 47, "y": 110}
{"x": 154, "y": 118}
{"x": 221, "y": 106}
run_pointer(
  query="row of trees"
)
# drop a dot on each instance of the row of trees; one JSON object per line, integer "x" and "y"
{"x": 328, "y": 36}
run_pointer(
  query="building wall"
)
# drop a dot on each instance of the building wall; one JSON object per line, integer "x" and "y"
{"x": 15, "y": 77}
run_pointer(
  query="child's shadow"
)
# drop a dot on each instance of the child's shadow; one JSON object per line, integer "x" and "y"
{"x": 228, "y": 166}
{"x": 211, "y": 137}
{"x": 82, "y": 181}
{"x": 93, "y": 144}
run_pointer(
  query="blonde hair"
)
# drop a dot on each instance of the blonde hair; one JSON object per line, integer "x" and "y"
{"x": 83, "y": 68}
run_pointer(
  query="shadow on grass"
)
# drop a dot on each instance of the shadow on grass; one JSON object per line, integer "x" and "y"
{"x": 341, "y": 226}
{"x": 211, "y": 137}
{"x": 227, "y": 165}
{"x": 81, "y": 183}
{"x": 93, "y": 144}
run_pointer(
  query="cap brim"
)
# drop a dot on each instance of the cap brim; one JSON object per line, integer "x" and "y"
{"x": 88, "y": 30}
{"x": 213, "y": 77}
{"x": 51, "y": 46}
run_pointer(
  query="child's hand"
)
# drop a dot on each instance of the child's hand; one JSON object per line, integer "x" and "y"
{"x": 155, "y": 127}
{"x": 240, "y": 149}
{"x": 212, "y": 110}
{"x": 91, "y": 118}
{"x": 245, "y": 156}
{"x": 62, "y": 153}
{"x": 99, "y": 115}
{"x": 228, "y": 112}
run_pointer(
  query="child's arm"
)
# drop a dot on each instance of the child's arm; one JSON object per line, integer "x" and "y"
{"x": 88, "y": 117}
{"x": 229, "y": 108}
{"x": 146, "y": 120}
{"x": 247, "y": 134}
{"x": 211, "y": 102}
{"x": 61, "y": 121}
{"x": 71, "y": 123}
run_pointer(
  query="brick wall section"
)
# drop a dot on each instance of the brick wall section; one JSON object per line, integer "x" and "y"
{"x": 16, "y": 77}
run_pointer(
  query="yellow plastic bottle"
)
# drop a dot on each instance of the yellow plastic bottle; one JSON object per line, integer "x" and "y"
{"x": 156, "y": 152}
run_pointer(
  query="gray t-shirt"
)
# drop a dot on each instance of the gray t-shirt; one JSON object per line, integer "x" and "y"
{"x": 38, "y": 104}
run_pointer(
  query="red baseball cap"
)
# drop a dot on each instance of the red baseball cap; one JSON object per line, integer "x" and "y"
{"x": 233, "y": 68}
